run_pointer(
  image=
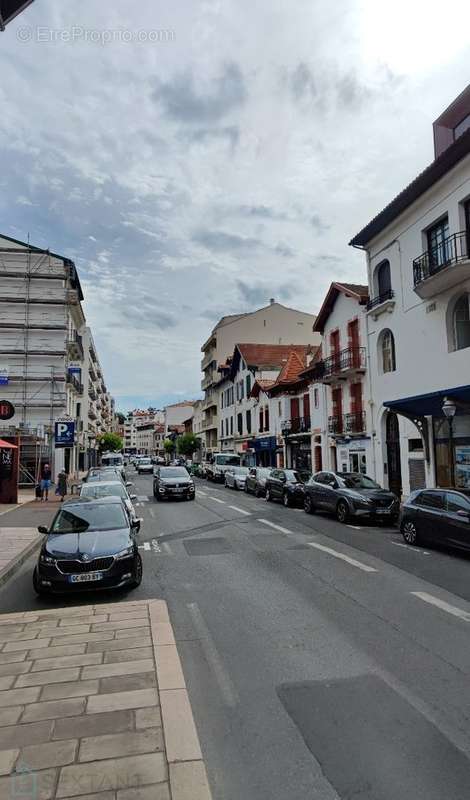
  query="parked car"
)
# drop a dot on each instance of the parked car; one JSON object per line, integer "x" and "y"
{"x": 437, "y": 516}
{"x": 111, "y": 488}
{"x": 145, "y": 466}
{"x": 91, "y": 544}
{"x": 286, "y": 485}
{"x": 103, "y": 474}
{"x": 256, "y": 480}
{"x": 173, "y": 482}
{"x": 350, "y": 495}
{"x": 235, "y": 477}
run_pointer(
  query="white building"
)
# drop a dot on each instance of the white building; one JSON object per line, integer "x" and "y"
{"x": 273, "y": 324}
{"x": 177, "y": 414}
{"x": 418, "y": 318}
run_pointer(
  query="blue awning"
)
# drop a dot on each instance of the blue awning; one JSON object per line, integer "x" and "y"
{"x": 427, "y": 405}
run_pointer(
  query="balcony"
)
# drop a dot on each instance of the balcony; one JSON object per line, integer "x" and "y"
{"x": 208, "y": 380}
{"x": 442, "y": 267}
{"x": 75, "y": 347}
{"x": 207, "y": 360}
{"x": 296, "y": 425}
{"x": 73, "y": 381}
{"x": 92, "y": 411}
{"x": 91, "y": 392}
{"x": 344, "y": 364}
{"x": 381, "y": 304}
{"x": 347, "y": 424}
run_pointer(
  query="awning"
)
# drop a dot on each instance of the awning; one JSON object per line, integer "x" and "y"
{"x": 7, "y": 445}
{"x": 430, "y": 405}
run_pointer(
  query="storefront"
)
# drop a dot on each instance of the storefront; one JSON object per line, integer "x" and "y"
{"x": 352, "y": 455}
{"x": 265, "y": 449}
{"x": 299, "y": 452}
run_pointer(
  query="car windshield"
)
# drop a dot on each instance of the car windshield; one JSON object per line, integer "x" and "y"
{"x": 111, "y": 461}
{"x": 227, "y": 461}
{"x": 299, "y": 476}
{"x": 89, "y": 517}
{"x": 145, "y": 461}
{"x": 263, "y": 472}
{"x": 354, "y": 480}
{"x": 240, "y": 470}
{"x": 103, "y": 490}
{"x": 174, "y": 472}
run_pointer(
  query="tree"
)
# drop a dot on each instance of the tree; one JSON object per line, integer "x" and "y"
{"x": 187, "y": 444}
{"x": 168, "y": 446}
{"x": 109, "y": 441}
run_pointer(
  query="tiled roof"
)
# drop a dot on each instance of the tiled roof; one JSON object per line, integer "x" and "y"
{"x": 358, "y": 290}
{"x": 271, "y": 355}
{"x": 291, "y": 369}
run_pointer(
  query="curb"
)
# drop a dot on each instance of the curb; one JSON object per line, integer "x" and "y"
{"x": 18, "y": 505}
{"x": 14, "y": 566}
{"x": 188, "y": 777}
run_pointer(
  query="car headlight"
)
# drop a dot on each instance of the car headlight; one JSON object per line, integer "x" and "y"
{"x": 44, "y": 559}
{"x": 125, "y": 553}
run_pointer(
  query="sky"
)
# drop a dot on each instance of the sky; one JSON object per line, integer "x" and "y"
{"x": 196, "y": 159}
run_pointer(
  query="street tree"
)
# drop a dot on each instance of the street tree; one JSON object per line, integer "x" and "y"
{"x": 109, "y": 442}
{"x": 188, "y": 444}
{"x": 169, "y": 446}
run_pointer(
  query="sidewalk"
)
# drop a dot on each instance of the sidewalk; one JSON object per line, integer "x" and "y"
{"x": 93, "y": 700}
{"x": 19, "y": 536}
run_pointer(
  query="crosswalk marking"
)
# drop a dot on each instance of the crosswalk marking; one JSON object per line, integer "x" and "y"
{"x": 342, "y": 556}
{"x": 273, "y": 525}
{"x": 144, "y": 546}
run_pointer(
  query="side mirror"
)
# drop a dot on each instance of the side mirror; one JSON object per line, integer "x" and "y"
{"x": 129, "y": 483}
{"x": 335, "y": 485}
{"x": 133, "y": 496}
{"x": 137, "y": 522}
{"x": 42, "y": 529}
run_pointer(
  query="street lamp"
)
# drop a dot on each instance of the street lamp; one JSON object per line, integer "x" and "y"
{"x": 449, "y": 408}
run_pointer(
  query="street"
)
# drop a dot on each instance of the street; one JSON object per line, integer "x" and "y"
{"x": 322, "y": 660}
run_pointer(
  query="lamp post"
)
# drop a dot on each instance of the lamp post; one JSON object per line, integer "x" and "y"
{"x": 449, "y": 408}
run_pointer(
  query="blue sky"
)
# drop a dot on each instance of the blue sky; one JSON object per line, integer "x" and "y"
{"x": 229, "y": 163}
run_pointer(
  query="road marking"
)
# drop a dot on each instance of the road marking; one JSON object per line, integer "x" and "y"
{"x": 144, "y": 546}
{"x": 143, "y": 498}
{"x": 151, "y": 512}
{"x": 203, "y": 494}
{"x": 342, "y": 556}
{"x": 167, "y": 548}
{"x": 356, "y": 527}
{"x": 272, "y": 525}
{"x": 213, "y": 658}
{"x": 413, "y": 549}
{"x": 155, "y": 546}
{"x": 216, "y": 500}
{"x": 434, "y": 601}
{"x": 241, "y": 511}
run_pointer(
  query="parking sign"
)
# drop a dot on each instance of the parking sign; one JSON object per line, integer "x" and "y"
{"x": 64, "y": 434}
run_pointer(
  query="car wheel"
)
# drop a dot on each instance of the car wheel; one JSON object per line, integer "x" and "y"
{"x": 38, "y": 589}
{"x": 342, "y": 512}
{"x": 245, "y": 489}
{"x": 137, "y": 573}
{"x": 308, "y": 505}
{"x": 286, "y": 500}
{"x": 268, "y": 495}
{"x": 410, "y": 533}
{"x": 258, "y": 493}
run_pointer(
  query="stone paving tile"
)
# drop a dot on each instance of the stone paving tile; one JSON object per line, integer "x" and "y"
{"x": 17, "y": 668}
{"x": 119, "y": 773}
{"x": 28, "y": 644}
{"x": 128, "y": 633}
{"x": 163, "y": 633}
{"x": 54, "y": 709}
{"x": 81, "y": 637}
{"x": 22, "y": 735}
{"x": 116, "y": 626}
{"x": 156, "y": 791}
{"x": 119, "y": 644}
{"x": 14, "y": 697}
{"x": 59, "y": 650}
{"x": 137, "y": 615}
{"x": 121, "y": 744}
{"x": 51, "y": 754}
{"x": 134, "y": 654}
{"x": 44, "y": 786}
{"x": 120, "y": 668}
{"x": 84, "y": 620}
{"x": 169, "y": 670}
{"x": 11, "y": 658}
{"x": 7, "y": 761}
{"x": 70, "y": 630}
{"x": 83, "y": 660}
{"x": 188, "y": 781}
{"x": 18, "y": 636}
{"x": 181, "y": 739}
{"x": 58, "y": 691}
{"x": 93, "y": 725}
{"x": 7, "y": 681}
{"x": 51, "y": 676}
{"x": 10, "y": 716}
{"x": 148, "y": 718}
{"x": 127, "y": 683}
{"x": 142, "y": 698}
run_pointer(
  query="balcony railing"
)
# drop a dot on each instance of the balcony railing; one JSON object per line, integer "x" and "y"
{"x": 75, "y": 345}
{"x": 72, "y": 380}
{"x": 351, "y": 358}
{"x": 381, "y": 298}
{"x": 335, "y": 424}
{"x": 296, "y": 425}
{"x": 447, "y": 253}
{"x": 347, "y": 423}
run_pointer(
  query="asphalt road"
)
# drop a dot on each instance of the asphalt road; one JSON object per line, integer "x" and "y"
{"x": 323, "y": 661}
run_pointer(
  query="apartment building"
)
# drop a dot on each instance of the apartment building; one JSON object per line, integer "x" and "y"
{"x": 176, "y": 414}
{"x": 418, "y": 317}
{"x": 145, "y": 438}
{"x": 274, "y": 324}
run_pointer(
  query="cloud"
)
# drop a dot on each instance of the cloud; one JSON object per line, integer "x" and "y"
{"x": 188, "y": 101}
{"x": 284, "y": 250}
{"x": 219, "y": 241}
{"x": 259, "y": 295}
{"x": 317, "y": 223}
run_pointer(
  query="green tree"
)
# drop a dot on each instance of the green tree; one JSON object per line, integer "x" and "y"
{"x": 187, "y": 444}
{"x": 109, "y": 441}
{"x": 168, "y": 446}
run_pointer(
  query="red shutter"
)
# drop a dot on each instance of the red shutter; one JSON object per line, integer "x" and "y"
{"x": 294, "y": 408}
{"x": 306, "y": 406}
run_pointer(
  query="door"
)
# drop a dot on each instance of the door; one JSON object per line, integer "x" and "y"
{"x": 330, "y": 496}
{"x": 337, "y": 403}
{"x": 316, "y": 489}
{"x": 393, "y": 454}
{"x": 457, "y": 520}
{"x": 438, "y": 245}
{"x": 335, "y": 349}
{"x": 431, "y": 522}
{"x": 274, "y": 481}
{"x": 357, "y": 425}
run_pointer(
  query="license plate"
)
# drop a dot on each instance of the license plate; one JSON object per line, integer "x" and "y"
{"x": 382, "y": 511}
{"x": 86, "y": 577}
{"x": 179, "y": 491}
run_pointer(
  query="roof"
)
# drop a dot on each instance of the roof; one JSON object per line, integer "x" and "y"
{"x": 436, "y": 170}
{"x": 292, "y": 376}
{"x": 9, "y": 10}
{"x": 291, "y": 368}
{"x": 268, "y": 356}
{"x": 357, "y": 290}
{"x": 261, "y": 386}
{"x": 430, "y": 404}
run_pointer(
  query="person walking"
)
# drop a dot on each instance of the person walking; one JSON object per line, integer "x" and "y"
{"x": 62, "y": 484}
{"x": 46, "y": 480}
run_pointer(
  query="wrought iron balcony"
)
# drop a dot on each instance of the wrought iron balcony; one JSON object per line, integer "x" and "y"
{"x": 75, "y": 346}
{"x": 343, "y": 363}
{"x": 381, "y": 298}
{"x": 442, "y": 266}
{"x": 72, "y": 380}
{"x": 296, "y": 425}
{"x": 355, "y": 422}
{"x": 335, "y": 424}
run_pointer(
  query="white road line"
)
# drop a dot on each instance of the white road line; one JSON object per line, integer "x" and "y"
{"x": 203, "y": 494}
{"x": 216, "y": 500}
{"x": 272, "y": 525}
{"x": 151, "y": 512}
{"x": 241, "y": 511}
{"x": 342, "y": 556}
{"x": 356, "y": 527}
{"x": 166, "y": 547}
{"x": 434, "y": 601}
{"x": 155, "y": 546}
{"x": 144, "y": 546}
{"x": 213, "y": 658}
{"x": 413, "y": 549}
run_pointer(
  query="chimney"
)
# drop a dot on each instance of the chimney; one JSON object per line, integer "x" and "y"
{"x": 271, "y": 301}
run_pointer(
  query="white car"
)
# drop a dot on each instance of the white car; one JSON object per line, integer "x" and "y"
{"x": 144, "y": 466}
{"x": 235, "y": 477}
{"x": 111, "y": 489}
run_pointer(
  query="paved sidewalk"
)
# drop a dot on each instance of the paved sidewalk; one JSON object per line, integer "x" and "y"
{"x": 16, "y": 544}
{"x": 93, "y": 703}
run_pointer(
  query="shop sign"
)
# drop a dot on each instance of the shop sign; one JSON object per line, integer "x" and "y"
{"x": 7, "y": 409}
{"x": 462, "y": 466}
{"x": 4, "y": 376}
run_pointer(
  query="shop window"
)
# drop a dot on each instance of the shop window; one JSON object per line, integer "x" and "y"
{"x": 462, "y": 322}
{"x": 387, "y": 351}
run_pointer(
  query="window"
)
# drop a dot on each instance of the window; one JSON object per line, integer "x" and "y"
{"x": 261, "y": 420}
{"x": 248, "y": 421}
{"x": 238, "y": 392}
{"x": 231, "y": 426}
{"x": 455, "y": 502}
{"x": 383, "y": 282}
{"x": 432, "y": 500}
{"x": 248, "y": 385}
{"x": 222, "y": 400}
{"x": 388, "y": 351}
{"x": 226, "y": 426}
{"x": 316, "y": 398}
{"x": 266, "y": 418}
{"x": 438, "y": 245}
{"x": 222, "y": 428}
{"x": 240, "y": 424}
{"x": 462, "y": 322}
{"x": 279, "y": 408}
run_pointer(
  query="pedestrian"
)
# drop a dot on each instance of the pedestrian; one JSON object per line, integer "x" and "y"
{"x": 62, "y": 484}
{"x": 46, "y": 480}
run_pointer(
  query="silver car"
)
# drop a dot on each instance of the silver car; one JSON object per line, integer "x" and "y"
{"x": 235, "y": 477}
{"x": 256, "y": 480}
{"x": 110, "y": 488}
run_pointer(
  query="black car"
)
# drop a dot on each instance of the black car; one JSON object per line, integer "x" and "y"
{"x": 348, "y": 495}
{"x": 173, "y": 482}
{"x": 437, "y": 516}
{"x": 255, "y": 482}
{"x": 286, "y": 485}
{"x": 90, "y": 545}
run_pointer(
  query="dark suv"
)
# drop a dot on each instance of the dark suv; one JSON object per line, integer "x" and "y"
{"x": 350, "y": 494}
{"x": 173, "y": 482}
{"x": 439, "y": 516}
{"x": 286, "y": 485}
